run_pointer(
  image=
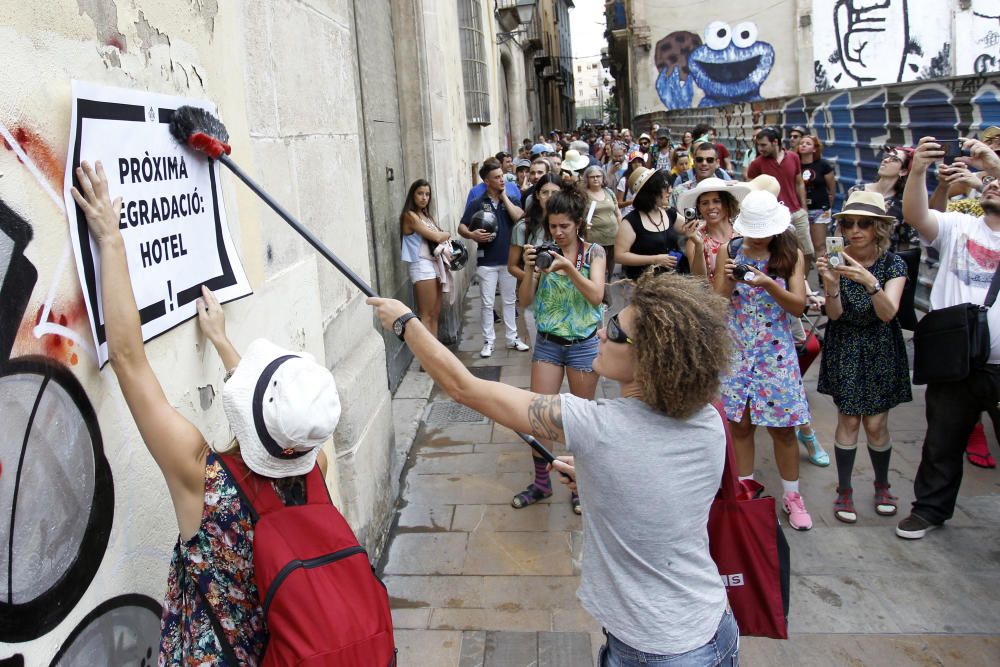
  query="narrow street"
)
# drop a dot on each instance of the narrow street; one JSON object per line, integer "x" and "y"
{"x": 474, "y": 582}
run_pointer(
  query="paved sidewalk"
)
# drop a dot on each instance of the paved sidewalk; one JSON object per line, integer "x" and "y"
{"x": 462, "y": 560}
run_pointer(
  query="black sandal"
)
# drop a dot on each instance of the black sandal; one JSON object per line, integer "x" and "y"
{"x": 529, "y": 496}
{"x": 574, "y": 500}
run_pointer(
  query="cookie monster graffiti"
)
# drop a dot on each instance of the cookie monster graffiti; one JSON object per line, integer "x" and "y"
{"x": 730, "y": 66}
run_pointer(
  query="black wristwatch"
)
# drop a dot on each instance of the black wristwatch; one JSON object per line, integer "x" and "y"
{"x": 399, "y": 326}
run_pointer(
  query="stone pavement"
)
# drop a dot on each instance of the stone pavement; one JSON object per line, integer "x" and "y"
{"x": 465, "y": 570}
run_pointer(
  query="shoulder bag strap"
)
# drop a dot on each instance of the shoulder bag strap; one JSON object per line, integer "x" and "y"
{"x": 991, "y": 295}
{"x": 729, "y": 487}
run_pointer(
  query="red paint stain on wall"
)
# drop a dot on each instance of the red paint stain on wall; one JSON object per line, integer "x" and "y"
{"x": 40, "y": 153}
{"x": 117, "y": 43}
{"x": 54, "y": 346}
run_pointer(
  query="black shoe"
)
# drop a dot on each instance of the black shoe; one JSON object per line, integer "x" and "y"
{"x": 914, "y": 527}
{"x": 496, "y": 316}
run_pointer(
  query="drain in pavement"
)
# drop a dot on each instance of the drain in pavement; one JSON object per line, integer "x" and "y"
{"x": 440, "y": 413}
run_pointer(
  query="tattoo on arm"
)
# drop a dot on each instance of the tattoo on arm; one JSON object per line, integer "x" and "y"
{"x": 597, "y": 251}
{"x": 545, "y": 417}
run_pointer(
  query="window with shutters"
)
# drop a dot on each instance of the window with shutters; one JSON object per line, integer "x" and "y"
{"x": 477, "y": 91}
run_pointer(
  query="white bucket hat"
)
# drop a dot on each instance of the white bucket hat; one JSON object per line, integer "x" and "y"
{"x": 689, "y": 198}
{"x": 761, "y": 215}
{"x": 574, "y": 161}
{"x": 282, "y": 407}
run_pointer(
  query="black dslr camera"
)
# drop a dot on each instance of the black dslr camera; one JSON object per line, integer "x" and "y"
{"x": 743, "y": 271}
{"x": 545, "y": 253}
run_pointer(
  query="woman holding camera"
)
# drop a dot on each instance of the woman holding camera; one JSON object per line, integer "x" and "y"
{"x": 717, "y": 202}
{"x": 420, "y": 236}
{"x": 530, "y": 230}
{"x": 864, "y": 366}
{"x": 764, "y": 281}
{"x": 564, "y": 279}
{"x": 654, "y": 234}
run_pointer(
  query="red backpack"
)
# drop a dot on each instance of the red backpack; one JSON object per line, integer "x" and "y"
{"x": 323, "y": 604}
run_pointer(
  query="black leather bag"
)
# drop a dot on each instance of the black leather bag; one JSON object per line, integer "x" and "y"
{"x": 906, "y": 314}
{"x": 950, "y": 343}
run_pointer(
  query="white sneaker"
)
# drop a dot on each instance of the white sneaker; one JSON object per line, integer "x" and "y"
{"x": 487, "y": 350}
{"x": 517, "y": 344}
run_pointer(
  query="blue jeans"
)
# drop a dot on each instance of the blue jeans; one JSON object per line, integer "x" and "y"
{"x": 722, "y": 649}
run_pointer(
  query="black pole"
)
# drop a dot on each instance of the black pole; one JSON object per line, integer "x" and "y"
{"x": 298, "y": 226}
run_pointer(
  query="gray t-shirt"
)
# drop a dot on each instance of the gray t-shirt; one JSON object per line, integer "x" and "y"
{"x": 647, "y": 482}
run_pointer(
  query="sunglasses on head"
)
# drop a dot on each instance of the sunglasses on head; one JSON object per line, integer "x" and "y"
{"x": 860, "y": 223}
{"x": 614, "y": 331}
{"x": 709, "y": 160}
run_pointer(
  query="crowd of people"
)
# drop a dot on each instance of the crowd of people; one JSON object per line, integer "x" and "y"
{"x": 706, "y": 252}
{"x": 720, "y": 272}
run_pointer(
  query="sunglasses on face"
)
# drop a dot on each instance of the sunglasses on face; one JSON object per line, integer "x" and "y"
{"x": 709, "y": 160}
{"x": 614, "y": 332}
{"x": 861, "y": 223}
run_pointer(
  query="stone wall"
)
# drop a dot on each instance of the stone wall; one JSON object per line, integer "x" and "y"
{"x": 93, "y": 526}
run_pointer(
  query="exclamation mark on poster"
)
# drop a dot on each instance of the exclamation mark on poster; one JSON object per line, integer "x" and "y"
{"x": 170, "y": 293}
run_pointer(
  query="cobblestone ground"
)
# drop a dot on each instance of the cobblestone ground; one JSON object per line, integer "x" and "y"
{"x": 462, "y": 560}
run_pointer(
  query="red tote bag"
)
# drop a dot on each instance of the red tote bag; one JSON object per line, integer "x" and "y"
{"x": 751, "y": 552}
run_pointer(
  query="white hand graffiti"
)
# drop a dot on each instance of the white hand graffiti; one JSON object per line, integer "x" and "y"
{"x": 872, "y": 37}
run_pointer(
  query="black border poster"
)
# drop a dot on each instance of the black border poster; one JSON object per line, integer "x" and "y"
{"x": 173, "y": 217}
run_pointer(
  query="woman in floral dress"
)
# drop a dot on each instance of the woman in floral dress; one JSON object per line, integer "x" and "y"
{"x": 764, "y": 282}
{"x": 212, "y": 612}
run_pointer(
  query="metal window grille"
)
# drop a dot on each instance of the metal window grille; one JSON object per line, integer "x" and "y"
{"x": 477, "y": 91}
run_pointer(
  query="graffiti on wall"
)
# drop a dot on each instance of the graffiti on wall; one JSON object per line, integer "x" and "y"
{"x": 56, "y": 484}
{"x": 985, "y": 37}
{"x": 855, "y": 124}
{"x": 729, "y": 65}
{"x": 863, "y": 43}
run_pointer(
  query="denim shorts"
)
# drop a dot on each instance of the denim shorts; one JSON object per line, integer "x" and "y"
{"x": 722, "y": 649}
{"x": 578, "y": 356}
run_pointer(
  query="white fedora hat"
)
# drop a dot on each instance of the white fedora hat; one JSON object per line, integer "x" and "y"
{"x": 761, "y": 215}
{"x": 689, "y": 198}
{"x": 574, "y": 161}
{"x": 282, "y": 406}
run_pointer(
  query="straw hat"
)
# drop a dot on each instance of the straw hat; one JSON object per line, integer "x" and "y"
{"x": 573, "y": 161}
{"x": 767, "y": 183}
{"x": 282, "y": 406}
{"x": 638, "y": 178}
{"x": 689, "y": 198}
{"x": 761, "y": 215}
{"x": 867, "y": 204}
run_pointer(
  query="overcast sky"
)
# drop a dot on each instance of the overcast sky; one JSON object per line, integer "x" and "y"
{"x": 586, "y": 23}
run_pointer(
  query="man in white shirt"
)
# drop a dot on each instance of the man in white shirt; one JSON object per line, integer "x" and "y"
{"x": 969, "y": 248}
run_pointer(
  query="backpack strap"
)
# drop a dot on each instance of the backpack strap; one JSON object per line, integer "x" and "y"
{"x": 259, "y": 494}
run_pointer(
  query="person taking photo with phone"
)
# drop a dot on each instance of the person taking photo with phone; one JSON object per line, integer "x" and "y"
{"x": 969, "y": 249}
{"x": 863, "y": 365}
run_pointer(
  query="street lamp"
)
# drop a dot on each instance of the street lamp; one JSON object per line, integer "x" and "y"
{"x": 511, "y": 14}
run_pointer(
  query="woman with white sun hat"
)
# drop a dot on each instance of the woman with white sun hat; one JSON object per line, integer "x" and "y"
{"x": 762, "y": 275}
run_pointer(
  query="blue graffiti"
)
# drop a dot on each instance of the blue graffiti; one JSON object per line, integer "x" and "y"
{"x": 730, "y": 66}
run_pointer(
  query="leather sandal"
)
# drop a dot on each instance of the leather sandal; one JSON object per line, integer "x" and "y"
{"x": 574, "y": 501}
{"x": 529, "y": 496}
{"x": 885, "y": 502}
{"x": 843, "y": 506}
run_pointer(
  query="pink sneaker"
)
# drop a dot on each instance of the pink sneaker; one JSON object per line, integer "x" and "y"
{"x": 795, "y": 508}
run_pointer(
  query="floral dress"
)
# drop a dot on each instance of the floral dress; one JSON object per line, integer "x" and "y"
{"x": 864, "y": 364}
{"x": 765, "y": 366}
{"x": 216, "y": 562}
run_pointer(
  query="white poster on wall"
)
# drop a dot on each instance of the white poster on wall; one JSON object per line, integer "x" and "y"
{"x": 173, "y": 218}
